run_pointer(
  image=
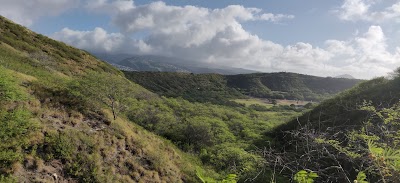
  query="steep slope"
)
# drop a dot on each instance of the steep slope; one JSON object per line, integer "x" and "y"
{"x": 67, "y": 117}
{"x": 343, "y": 111}
{"x": 56, "y": 118}
{"x": 352, "y": 135}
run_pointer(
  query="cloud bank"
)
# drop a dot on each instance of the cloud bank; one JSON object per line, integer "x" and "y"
{"x": 356, "y": 10}
{"x": 218, "y": 36}
{"x": 27, "y": 12}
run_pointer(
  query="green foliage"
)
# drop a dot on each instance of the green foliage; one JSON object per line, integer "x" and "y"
{"x": 15, "y": 123}
{"x": 288, "y": 85}
{"x": 308, "y": 105}
{"x": 337, "y": 145}
{"x": 305, "y": 177}
{"x": 219, "y": 89}
{"x": 60, "y": 146}
{"x": 345, "y": 106}
{"x": 193, "y": 87}
{"x": 67, "y": 60}
{"x": 65, "y": 83}
{"x": 113, "y": 91}
{"x": 361, "y": 178}
{"x": 230, "y": 178}
{"x": 258, "y": 107}
{"x": 77, "y": 151}
{"x": 44, "y": 85}
{"x": 223, "y": 137}
{"x": 9, "y": 90}
{"x": 7, "y": 179}
{"x": 372, "y": 146}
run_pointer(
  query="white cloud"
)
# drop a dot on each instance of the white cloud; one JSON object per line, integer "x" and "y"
{"x": 275, "y": 18}
{"x": 99, "y": 40}
{"x": 217, "y": 36}
{"x": 109, "y": 6}
{"x": 366, "y": 56}
{"x": 355, "y": 10}
{"x": 26, "y": 12}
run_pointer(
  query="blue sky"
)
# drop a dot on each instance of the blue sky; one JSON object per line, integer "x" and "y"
{"x": 325, "y": 38}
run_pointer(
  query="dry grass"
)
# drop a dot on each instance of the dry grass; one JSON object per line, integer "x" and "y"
{"x": 250, "y": 101}
{"x": 295, "y": 102}
{"x": 267, "y": 103}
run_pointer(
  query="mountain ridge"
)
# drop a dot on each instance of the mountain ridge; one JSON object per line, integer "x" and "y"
{"x": 168, "y": 64}
{"x": 218, "y": 88}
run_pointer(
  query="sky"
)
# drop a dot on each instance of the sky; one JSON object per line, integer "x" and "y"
{"x": 323, "y": 38}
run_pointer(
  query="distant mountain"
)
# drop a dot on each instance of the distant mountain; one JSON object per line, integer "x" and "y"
{"x": 111, "y": 58}
{"x": 167, "y": 64}
{"x": 347, "y": 76}
{"x": 122, "y": 68}
{"x": 142, "y": 63}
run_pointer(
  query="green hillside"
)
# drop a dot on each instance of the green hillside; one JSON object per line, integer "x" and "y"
{"x": 219, "y": 89}
{"x": 57, "y": 122}
{"x": 68, "y": 117}
{"x": 354, "y": 133}
{"x": 289, "y": 85}
{"x": 193, "y": 87}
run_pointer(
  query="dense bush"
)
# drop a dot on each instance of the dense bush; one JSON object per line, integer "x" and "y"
{"x": 16, "y": 125}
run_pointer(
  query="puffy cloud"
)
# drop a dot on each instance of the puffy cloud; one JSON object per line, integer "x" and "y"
{"x": 99, "y": 40}
{"x": 366, "y": 56}
{"x": 26, "y": 12}
{"x": 109, "y": 6}
{"x": 275, "y": 18}
{"x": 161, "y": 18}
{"x": 217, "y": 36}
{"x": 354, "y": 10}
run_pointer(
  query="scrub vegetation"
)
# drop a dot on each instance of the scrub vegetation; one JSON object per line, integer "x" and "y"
{"x": 66, "y": 116}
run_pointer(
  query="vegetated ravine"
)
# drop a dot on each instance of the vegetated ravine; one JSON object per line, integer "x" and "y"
{"x": 66, "y": 116}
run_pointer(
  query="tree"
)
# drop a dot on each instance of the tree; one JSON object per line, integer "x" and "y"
{"x": 309, "y": 105}
{"x": 111, "y": 90}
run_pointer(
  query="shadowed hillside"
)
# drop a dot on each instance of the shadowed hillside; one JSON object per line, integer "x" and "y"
{"x": 193, "y": 87}
{"x": 352, "y": 135}
{"x": 220, "y": 89}
{"x": 289, "y": 85}
{"x": 343, "y": 111}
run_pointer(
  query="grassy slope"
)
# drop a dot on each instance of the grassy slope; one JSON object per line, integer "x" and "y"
{"x": 343, "y": 111}
{"x": 55, "y": 103}
{"x": 357, "y": 130}
{"x": 50, "y": 128}
{"x": 55, "y": 120}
